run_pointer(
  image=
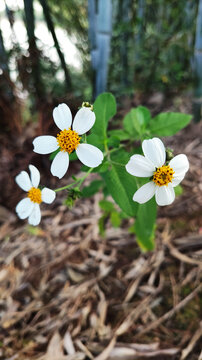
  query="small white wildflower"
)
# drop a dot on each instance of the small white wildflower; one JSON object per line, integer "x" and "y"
{"x": 164, "y": 176}
{"x": 68, "y": 140}
{"x": 29, "y": 207}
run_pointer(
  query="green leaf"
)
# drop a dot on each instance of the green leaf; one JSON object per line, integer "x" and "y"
{"x": 145, "y": 224}
{"x": 115, "y": 219}
{"x": 95, "y": 140}
{"x": 99, "y": 169}
{"x": 121, "y": 156}
{"x": 113, "y": 142}
{"x": 101, "y": 224}
{"x": 178, "y": 190}
{"x": 104, "y": 108}
{"x": 143, "y": 115}
{"x": 121, "y": 186}
{"x": 92, "y": 189}
{"x": 121, "y": 134}
{"x": 136, "y": 120}
{"x": 167, "y": 124}
{"x": 106, "y": 205}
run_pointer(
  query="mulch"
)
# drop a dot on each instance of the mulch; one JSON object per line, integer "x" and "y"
{"x": 67, "y": 293}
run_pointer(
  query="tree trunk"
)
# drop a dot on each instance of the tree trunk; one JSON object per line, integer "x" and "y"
{"x": 50, "y": 25}
{"x": 197, "y": 101}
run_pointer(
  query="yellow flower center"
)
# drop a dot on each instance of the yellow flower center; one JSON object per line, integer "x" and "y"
{"x": 163, "y": 175}
{"x": 35, "y": 195}
{"x": 68, "y": 140}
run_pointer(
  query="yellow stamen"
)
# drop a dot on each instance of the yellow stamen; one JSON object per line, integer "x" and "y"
{"x": 35, "y": 195}
{"x": 68, "y": 140}
{"x": 163, "y": 175}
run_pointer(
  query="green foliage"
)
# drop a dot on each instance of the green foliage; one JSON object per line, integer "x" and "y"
{"x": 106, "y": 205}
{"x": 110, "y": 212}
{"x": 178, "y": 190}
{"x": 92, "y": 189}
{"x": 121, "y": 186}
{"x": 115, "y": 219}
{"x": 152, "y": 47}
{"x": 115, "y": 180}
{"x": 104, "y": 108}
{"x": 167, "y": 124}
{"x": 137, "y": 124}
{"x": 73, "y": 194}
{"x": 145, "y": 225}
{"x": 121, "y": 134}
{"x": 136, "y": 121}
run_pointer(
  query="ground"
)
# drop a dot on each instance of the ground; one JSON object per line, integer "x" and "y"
{"x": 68, "y": 293}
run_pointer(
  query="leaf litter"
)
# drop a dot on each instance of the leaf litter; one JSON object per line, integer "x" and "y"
{"x": 67, "y": 293}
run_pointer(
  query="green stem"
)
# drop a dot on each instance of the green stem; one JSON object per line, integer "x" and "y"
{"x": 85, "y": 176}
{"x": 116, "y": 163}
{"x": 107, "y": 150}
{"x": 78, "y": 182}
{"x": 65, "y": 187}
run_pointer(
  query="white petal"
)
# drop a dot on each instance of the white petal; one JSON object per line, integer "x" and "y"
{"x": 23, "y": 181}
{"x": 145, "y": 193}
{"x": 177, "y": 180}
{"x": 62, "y": 116}
{"x": 83, "y": 121}
{"x": 35, "y": 176}
{"x": 60, "y": 164}
{"x": 180, "y": 165}
{"x": 139, "y": 165}
{"x": 35, "y": 217}
{"x": 24, "y": 208}
{"x": 48, "y": 195}
{"x": 154, "y": 150}
{"x": 164, "y": 195}
{"x": 45, "y": 144}
{"x": 89, "y": 155}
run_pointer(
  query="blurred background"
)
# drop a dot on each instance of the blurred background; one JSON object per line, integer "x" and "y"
{"x": 68, "y": 292}
{"x": 77, "y": 49}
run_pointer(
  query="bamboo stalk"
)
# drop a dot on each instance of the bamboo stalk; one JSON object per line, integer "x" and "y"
{"x": 100, "y": 27}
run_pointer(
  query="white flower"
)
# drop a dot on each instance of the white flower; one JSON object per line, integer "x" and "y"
{"x": 29, "y": 207}
{"x": 164, "y": 176}
{"x": 69, "y": 140}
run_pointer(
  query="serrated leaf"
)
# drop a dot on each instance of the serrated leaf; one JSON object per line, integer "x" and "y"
{"x": 121, "y": 186}
{"x": 92, "y": 189}
{"x": 145, "y": 224}
{"x": 104, "y": 108}
{"x": 167, "y": 124}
